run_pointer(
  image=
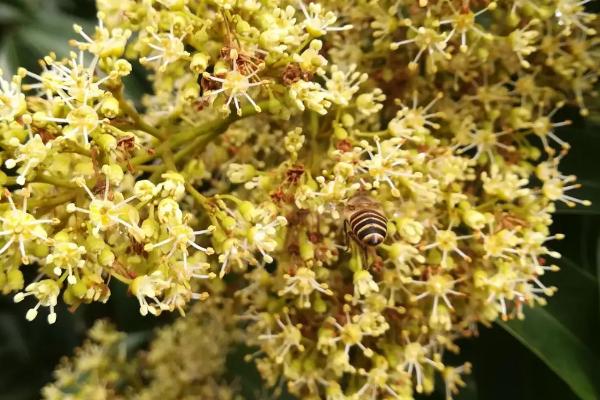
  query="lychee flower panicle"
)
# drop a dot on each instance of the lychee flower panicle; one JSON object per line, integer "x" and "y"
{"x": 223, "y": 191}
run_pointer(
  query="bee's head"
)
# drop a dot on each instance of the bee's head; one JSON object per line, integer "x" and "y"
{"x": 360, "y": 202}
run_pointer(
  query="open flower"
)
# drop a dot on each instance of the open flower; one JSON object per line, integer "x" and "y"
{"x": 46, "y": 293}
{"x": 235, "y": 85}
{"x": 20, "y": 229}
{"x": 105, "y": 214}
{"x": 166, "y": 49}
{"x": 12, "y": 100}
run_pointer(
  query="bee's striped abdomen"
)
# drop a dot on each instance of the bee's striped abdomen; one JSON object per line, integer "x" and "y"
{"x": 369, "y": 227}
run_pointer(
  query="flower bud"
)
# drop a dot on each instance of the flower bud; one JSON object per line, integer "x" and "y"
{"x": 409, "y": 229}
{"x": 144, "y": 190}
{"x": 191, "y": 91}
{"x": 228, "y": 223}
{"x": 168, "y": 210}
{"x": 150, "y": 227}
{"x": 106, "y": 142}
{"x": 274, "y": 106}
{"x": 340, "y": 133}
{"x": 3, "y": 178}
{"x": 347, "y": 120}
{"x": 14, "y": 279}
{"x": 319, "y": 305}
{"x": 113, "y": 173}
{"x": 474, "y": 219}
{"x": 307, "y": 249}
{"x": 294, "y": 140}
{"x": 364, "y": 283}
{"x": 106, "y": 257}
{"x": 221, "y": 68}
{"x": 247, "y": 210}
{"x": 109, "y": 107}
{"x": 79, "y": 288}
{"x": 40, "y": 249}
{"x": 94, "y": 244}
{"x": 122, "y": 67}
{"x": 240, "y": 173}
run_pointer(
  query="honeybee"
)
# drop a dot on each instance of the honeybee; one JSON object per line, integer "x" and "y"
{"x": 364, "y": 221}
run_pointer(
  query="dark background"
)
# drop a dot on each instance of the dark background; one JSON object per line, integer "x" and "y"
{"x": 564, "y": 338}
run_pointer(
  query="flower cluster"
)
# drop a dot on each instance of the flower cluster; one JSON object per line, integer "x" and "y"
{"x": 264, "y": 120}
{"x": 108, "y": 367}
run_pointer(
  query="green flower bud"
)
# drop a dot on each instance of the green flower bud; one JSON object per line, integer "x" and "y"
{"x": 228, "y": 223}
{"x": 40, "y": 249}
{"x": 355, "y": 262}
{"x": 240, "y": 173}
{"x": 106, "y": 142}
{"x": 191, "y": 91}
{"x": 144, "y": 190}
{"x": 3, "y": 178}
{"x": 94, "y": 244}
{"x": 68, "y": 297}
{"x": 218, "y": 239}
{"x": 307, "y": 248}
{"x": 114, "y": 173}
{"x": 243, "y": 26}
{"x": 513, "y": 19}
{"x": 247, "y": 210}
{"x": 221, "y": 68}
{"x": 150, "y": 227}
{"x": 274, "y": 106}
{"x": 409, "y": 229}
{"x": 109, "y": 107}
{"x": 199, "y": 38}
{"x": 78, "y": 289}
{"x": 347, "y": 120}
{"x": 83, "y": 168}
{"x": 534, "y": 153}
{"x": 395, "y": 250}
{"x": 15, "y": 134}
{"x": 340, "y": 133}
{"x": 106, "y": 257}
{"x": 14, "y": 279}
{"x": 434, "y": 256}
{"x": 319, "y": 305}
{"x": 122, "y": 67}
{"x": 474, "y": 219}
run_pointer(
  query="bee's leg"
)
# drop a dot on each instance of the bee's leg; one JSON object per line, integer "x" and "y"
{"x": 365, "y": 255}
{"x": 346, "y": 235}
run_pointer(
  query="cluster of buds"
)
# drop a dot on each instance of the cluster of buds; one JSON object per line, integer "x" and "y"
{"x": 264, "y": 120}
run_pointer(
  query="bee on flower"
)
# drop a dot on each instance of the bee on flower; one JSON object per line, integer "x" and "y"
{"x": 444, "y": 114}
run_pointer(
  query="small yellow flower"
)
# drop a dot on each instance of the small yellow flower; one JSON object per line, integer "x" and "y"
{"x": 46, "y": 292}
{"x": 21, "y": 228}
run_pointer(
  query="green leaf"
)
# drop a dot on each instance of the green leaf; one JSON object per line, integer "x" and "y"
{"x": 577, "y": 290}
{"x": 598, "y": 272}
{"x": 564, "y": 334}
{"x": 51, "y": 34}
{"x": 10, "y": 14}
{"x": 9, "y": 56}
{"x": 562, "y": 351}
{"x": 47, "y": 32}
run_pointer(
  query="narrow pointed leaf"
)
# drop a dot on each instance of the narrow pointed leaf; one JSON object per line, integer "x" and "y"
{"x": 560, "y": 349}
